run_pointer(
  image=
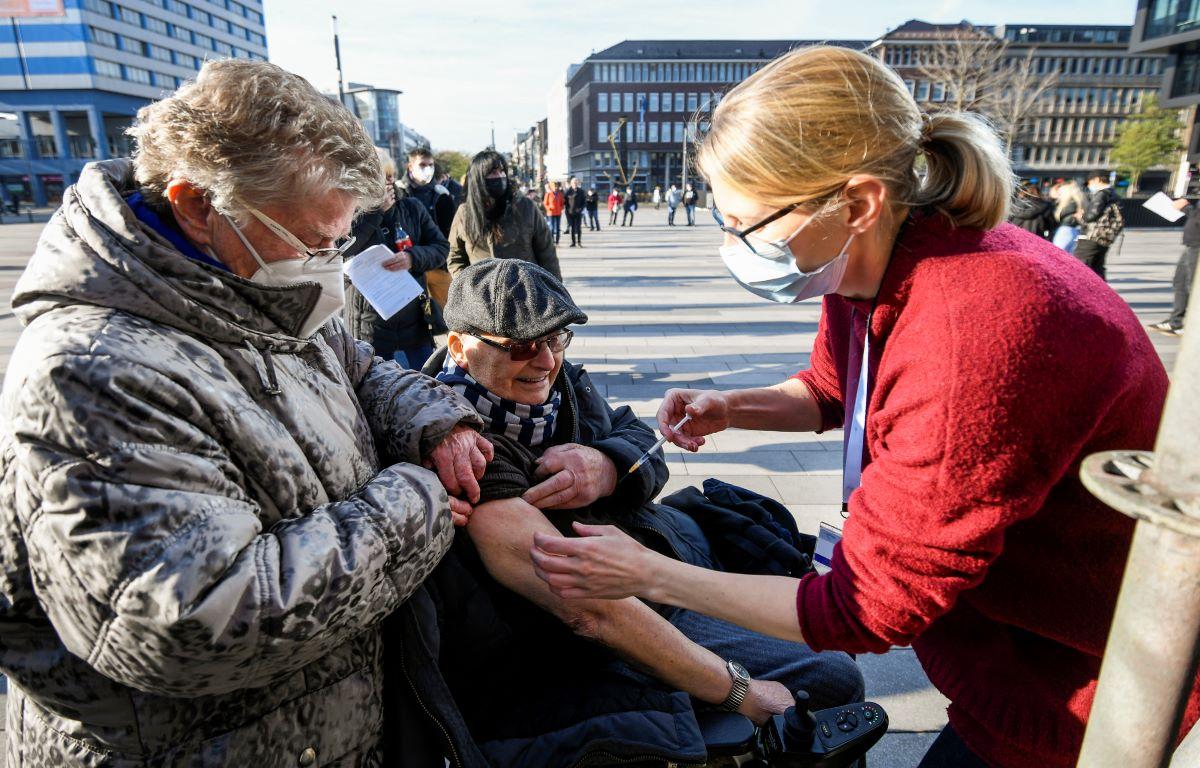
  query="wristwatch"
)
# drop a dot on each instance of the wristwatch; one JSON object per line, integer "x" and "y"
{"x": 741, "y": 684}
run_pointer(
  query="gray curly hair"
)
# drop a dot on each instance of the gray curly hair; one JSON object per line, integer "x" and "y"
{"x": 251, "y": 134}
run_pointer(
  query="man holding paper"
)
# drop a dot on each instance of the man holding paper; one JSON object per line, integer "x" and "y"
{"x": 1185, "y": 270}
{"x": 403, "y": 328}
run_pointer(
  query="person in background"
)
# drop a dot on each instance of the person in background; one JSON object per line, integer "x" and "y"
{"x": 690, "y": 198}
{"x": 404, "y": 227}
{"x": 212, "y": 494}
{"x": 574, "y": 204}
{"x": 495, "y": 222}
{"x": 1102, "y": 199}
{"x": 553, "y": 204}
{"x": 592, "y": 207}
{"x": 453, "y": 187}
{"x": 630, "y": 203}
{"x": 1068, "y": 210}
{"x": 418, "y": 182}
{"x": 614, "y": 205}
{"x": 656, "y": 198}
{"x": 1185, "y": 271}
{"x": 674, "y": 198}
{"x": 1031, "y": 212}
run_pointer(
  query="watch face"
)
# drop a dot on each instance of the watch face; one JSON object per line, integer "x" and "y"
{"x": 739, "y": 670}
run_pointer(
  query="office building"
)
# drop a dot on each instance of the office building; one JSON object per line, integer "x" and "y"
{"x": 71, "y": 84}
{"x": 379, "y": 111}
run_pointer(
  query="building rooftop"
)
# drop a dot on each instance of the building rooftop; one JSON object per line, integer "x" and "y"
{"x": 738, "y": 50}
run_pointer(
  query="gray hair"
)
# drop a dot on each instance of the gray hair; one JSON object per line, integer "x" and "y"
{"x": 251, "y": 134}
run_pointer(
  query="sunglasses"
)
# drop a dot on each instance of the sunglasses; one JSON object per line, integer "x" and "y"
{"x": 519, "y": 351}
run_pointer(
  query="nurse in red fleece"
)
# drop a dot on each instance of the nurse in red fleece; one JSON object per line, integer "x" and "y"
{"x": 994, "y": 363}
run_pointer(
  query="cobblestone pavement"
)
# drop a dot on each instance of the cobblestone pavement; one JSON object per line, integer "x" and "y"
{"x": 664, "y": 313}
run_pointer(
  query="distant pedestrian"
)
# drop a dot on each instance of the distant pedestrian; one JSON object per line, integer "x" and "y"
{"x": 453, "y": 187}
{"x": 614, "y": 205}
{"x": 1069, "y": 211}
{"x": 690, "y": 198}
{"x": 592, "y": 205}
{"x": 1102, "y": 223}
{"x": 1033, "y": 213}
{"x": 674, "y": 198}
{"x": 630, "y": 204}
{"x": 574, "y": 203}
{"x": 552, "y": 203}
{"x": 494, "y": 222}
{"x": 418, "y": 182}
{"x": 1185, "y": 271}
{"x": 657, "y": 198}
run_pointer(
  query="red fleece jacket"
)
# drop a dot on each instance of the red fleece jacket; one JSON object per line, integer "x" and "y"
{"x": 998, "y": 364}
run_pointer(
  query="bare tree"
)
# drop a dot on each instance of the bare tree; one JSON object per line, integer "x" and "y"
{"x": 1020, "y": 97}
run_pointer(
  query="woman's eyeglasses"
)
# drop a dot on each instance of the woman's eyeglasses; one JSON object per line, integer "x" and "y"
{"x": 316, "y": 257}
{"x": 742, "y": 234}
{"x": 519, "y": 351}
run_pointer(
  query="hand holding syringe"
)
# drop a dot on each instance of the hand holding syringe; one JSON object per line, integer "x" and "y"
{"x": 656, "y": 446}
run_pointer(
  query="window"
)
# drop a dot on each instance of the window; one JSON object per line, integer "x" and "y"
{"x": 133, "y": 45}
{"x": 165, "y": 81}
{"x": 678, "y": 133}
{"x": 939, "y": 92}
{"x": 654, "y": 133}
{"x": 679, "y": 102}
{"x": 181, "y": 33}
{"x": 614, "y": 102}
{"x": 692, "y": 103}
{"x": 666, "y": 132}
{"x": 156, "y": 25}
{"x": 160, "y": 53}
{"x": 103, "y": 37}
{"x": 107, "y": 68}
{"x": 102, "y": 7}
{"x": 204, "y": 17}
{"x": 922, "y": 91}
{"x": 186, "y": 60}
{"x": 602, "y": 131}
{"x": 204, "y": 41}
{"x": 640, "y": 103}
{"x": 224, "y": 49}
{"x": 131, "y": 17}
{"x": 174, "y": 6}
{"x": 910, "y": 85}
{"x": 627, "y": 102}
{"x": 137, "y": 75}
{"x": 640, "y": 132}
{"x": 220, "y": 24}
{"x": 628, "y": 131}
{"x": 653, "y": 102}
{"x": 602, "y": 103}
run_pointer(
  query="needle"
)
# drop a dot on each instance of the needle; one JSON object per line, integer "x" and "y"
{"x": 657, "y": 445}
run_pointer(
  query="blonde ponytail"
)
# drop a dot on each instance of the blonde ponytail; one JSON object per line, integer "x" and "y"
{"x": 798, "y": 129}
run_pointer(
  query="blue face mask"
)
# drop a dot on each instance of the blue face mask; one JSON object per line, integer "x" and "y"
{"x": 772, "y": 272}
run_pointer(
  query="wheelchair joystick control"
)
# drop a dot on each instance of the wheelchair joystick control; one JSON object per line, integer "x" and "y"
{"x": 827, "y": 738}
{"x": 799, "y": 723}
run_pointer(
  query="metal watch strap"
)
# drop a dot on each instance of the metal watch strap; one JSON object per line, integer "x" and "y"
{"x": 741, "y": 685}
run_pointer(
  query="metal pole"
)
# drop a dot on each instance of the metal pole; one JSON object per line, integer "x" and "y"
{"x": 16, "y": 25}
{"x": 337, "y": 54}
{"x": 683, "y": 185}
{"x": 1150, "y": 661}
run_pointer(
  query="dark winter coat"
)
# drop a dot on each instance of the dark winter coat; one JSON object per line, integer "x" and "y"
{"x": 524, "y": 234}
{"x": 416, "y": 323}
{"x": 438, "y": 200}
{"x": 575, "y": 202}
{"x": 1034, "y": 214}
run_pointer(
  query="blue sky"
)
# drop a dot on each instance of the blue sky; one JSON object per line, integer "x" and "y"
{"x": 465, "y": 63}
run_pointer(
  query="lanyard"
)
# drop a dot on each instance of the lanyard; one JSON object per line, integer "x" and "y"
{"x": 857, "y": 424}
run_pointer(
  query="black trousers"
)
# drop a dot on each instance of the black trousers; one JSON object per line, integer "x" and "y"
{"x": 628, "y": 216}
{"x": 575, "y": 226}
{"x": 949, "y": 751}
{"x": 671, "y": 215}
{"x": 1185, "y": 274}
{"x": 1092, "y": 254}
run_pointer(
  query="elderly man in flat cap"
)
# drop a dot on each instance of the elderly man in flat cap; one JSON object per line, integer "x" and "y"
{"x": 562, "y": 454}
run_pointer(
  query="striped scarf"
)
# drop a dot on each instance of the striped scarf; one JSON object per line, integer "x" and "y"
{"x": 529, "y": 425}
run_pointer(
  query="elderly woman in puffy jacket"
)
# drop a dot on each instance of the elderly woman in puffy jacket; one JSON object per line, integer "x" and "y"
{"x": 212, "y": 495}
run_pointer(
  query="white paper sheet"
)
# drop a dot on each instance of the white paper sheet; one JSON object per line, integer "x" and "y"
{"x": 387, "y": 291}
{"x": 1163, "y": 206}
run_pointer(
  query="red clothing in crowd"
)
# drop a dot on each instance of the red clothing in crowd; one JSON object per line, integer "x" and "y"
{"x": 553, "y": 202}
{"x": 998, "y": 363}
{"x": 614, "y": 201}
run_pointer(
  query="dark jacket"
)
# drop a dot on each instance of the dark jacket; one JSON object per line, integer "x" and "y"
{"x": 524, "y": 234}
{"x": 416, "y": 323}
{"x": 488, "y": 639}
{"x": 591, "y": 201}
{"x": 690, "y": 197}
{"x": 631, "y": 201}
{"x": 1191, "y": 226}
{"x": 1034, "y": 214}
{"x": 576, "y": 200}
{"x": 1098, "y": 203}
{"x": 438, "y": 200}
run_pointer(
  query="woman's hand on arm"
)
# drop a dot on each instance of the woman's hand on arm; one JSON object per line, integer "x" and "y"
{"x": 607, "y": 563}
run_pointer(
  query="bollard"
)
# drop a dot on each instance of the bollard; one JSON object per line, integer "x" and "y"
{"x": 1150, "y": 661}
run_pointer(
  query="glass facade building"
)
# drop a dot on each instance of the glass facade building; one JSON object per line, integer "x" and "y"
{"x": 72, "y": 84}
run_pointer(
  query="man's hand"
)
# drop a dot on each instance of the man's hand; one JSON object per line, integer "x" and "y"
{"x": 460, "y": 461}
{"x": 765, "y": 698}
{"x": 399, "y": 262}
{"x": 709, "y": 410}
{"x": 577, "y": 476}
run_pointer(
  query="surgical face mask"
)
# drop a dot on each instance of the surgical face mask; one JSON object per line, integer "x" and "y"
{"x": 325, "y": 270}
{"x": 496, "y": 187}
{"x": 422, "y": 174}
{"x": 772, "y": 272}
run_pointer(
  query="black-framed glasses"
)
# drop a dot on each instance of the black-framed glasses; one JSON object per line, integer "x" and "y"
{"x": 742, "y": 234}
{"x": 519, "y": 351}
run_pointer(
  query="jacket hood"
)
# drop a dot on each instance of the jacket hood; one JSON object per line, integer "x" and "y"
{"x": 96, "y": 251}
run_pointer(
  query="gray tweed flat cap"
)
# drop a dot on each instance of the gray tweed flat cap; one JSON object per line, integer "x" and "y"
{"x": 510, "y": 298}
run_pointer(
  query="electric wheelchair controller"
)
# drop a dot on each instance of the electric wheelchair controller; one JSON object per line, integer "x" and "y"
{"x": 799, "y": 738}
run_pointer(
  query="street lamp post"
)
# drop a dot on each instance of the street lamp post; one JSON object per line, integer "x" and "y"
{"x": 624, "y": 151}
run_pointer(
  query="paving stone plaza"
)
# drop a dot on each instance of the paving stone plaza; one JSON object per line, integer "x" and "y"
{"x": 664, "y": 313}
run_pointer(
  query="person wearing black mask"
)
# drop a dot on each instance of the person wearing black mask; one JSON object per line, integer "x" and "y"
{"x": 495, "y": 222}
{"x": 592, "y": 207}
{"x": 576, "y": 201}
